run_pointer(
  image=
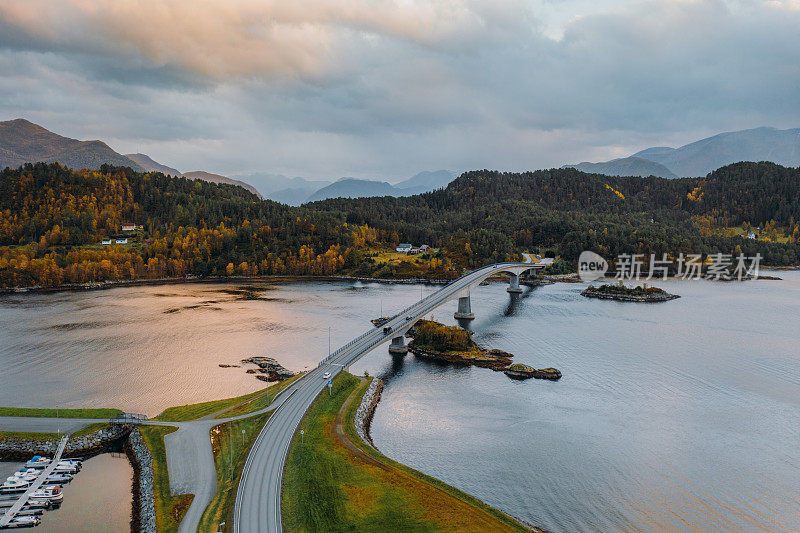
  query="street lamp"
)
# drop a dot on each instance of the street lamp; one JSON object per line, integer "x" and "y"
{"x": 220, "y": 526}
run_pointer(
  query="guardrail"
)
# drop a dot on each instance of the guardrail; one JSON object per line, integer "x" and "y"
{"x": 128, "y": 417}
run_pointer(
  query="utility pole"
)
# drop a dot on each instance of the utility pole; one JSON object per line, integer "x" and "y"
{"x": 230, "y": 438}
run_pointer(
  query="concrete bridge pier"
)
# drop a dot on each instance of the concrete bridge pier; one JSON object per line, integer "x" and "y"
{"x": 464, "y": 309}
{"x": 398, "y": 345}
{"x": 513, "y": 284}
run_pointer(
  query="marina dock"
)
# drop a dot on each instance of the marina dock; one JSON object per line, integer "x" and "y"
{"x": 11, "y": 512}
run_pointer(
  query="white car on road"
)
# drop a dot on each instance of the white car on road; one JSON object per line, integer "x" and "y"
{"x": 326, "y": 375}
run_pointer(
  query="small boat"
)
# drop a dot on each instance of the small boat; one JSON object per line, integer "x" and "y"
{"x": 14, "y": 484}
{"x": 38, "y": 462}
{"x": 38, "y": 504}
{"x": 50, "y": 493}
{"x": 56, "y": 477}
{"x": 24, "y": 521}
{"x": 68, "y": 469}
{"x": 70, "y": 462}
{"x": 27, "y": 473}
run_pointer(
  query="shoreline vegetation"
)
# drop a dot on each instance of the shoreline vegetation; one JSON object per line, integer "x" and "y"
{"x": 334, "y": 481}
{"x": 622, "y": 293}
{"x": 452, "y": 344}
{"x": 115, "y": 224}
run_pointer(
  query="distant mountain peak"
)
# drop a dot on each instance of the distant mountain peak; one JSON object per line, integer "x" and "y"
{"x": 700, "y": 157}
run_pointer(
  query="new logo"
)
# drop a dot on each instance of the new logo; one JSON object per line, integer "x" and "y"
{"x": 591, "y": 266}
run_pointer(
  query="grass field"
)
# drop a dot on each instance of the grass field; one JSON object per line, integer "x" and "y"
{"x": 220, "y": 507}
{"x": 91, "y": 428}
{"x": 335, "y": 482}
{"x": 224, "y": 408}
{"x": 60, "y": 413}
{"x": 169, "y": 509}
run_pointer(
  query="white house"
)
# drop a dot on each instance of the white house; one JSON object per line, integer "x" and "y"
{"x": 122, "y": 241}
{"x": 404, "y": 248}
{"x": 106, "y": 242}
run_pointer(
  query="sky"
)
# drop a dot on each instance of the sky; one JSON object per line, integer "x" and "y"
{"x": 386, "y": 88}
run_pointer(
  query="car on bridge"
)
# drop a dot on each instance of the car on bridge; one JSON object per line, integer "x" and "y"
{"x": 387, "y": 330}
{"x": 326, "y": 375}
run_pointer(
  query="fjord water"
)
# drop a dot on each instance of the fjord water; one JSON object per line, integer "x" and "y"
{"x": 676, "y": 416}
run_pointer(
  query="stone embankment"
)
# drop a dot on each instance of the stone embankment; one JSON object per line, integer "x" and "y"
{"x": 21, "y": 449}
{"x": 366, "y": 410}
{"x": 144, "y": 505}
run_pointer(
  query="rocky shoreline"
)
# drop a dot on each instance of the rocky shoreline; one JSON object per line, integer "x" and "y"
{"x": 497, "y": 360}
{"x": 366, "y": 410}
{"x": 268, "y": 369}
{"x": 143, "y": 515}
{"x": 16, "y": 449}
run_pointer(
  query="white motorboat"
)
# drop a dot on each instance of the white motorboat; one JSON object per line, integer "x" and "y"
{"x": 27, "y": 476}
{"x": 14, "y": 484}
{"x": 68, "y": 469}
{"x": 71, "y": 462}
{"x": 38, "y": 462}
{"x": 51, "y": 493}
{"x": 57, "y": 477}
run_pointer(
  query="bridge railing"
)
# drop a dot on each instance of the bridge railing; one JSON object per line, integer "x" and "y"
{"x": 124, "y": 418}
{"x": 410, "y": 309}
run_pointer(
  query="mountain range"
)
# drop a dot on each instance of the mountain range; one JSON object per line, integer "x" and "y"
{"x": 355, "y": 188}
{"x": 706, "y": 155}
{"x": 22, "y": 141}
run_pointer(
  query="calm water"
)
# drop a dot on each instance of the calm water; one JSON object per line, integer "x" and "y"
{"x": 683, "y": 415}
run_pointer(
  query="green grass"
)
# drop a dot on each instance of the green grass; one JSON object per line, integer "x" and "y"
{"x": 221, "y": 505}
{"x": 318, "y": 480}
{"x": 60, "y": 413}
{"x": 452, "y": 491}
{"x": 169, "y": 509}
{"x": 238, "y": 405}
{"x": 329, "y": 487}
{"x": 25, "y": 435}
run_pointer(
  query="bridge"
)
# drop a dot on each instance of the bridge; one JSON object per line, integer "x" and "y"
{"x": 258, "y": 499}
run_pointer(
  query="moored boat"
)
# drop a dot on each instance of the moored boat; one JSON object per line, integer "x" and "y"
{"x": 51, "y": 493}
{"x": 38, "y": 462}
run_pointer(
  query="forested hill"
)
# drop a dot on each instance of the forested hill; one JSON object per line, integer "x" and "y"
{"x": 63, "y": 226}
{"x": 569, "y": 211}
{"x": 54, "y": 221}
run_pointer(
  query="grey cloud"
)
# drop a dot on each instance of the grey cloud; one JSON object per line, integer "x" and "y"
{"x": 380, "y": 98}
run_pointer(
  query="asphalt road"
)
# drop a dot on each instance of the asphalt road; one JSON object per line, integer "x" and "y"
{"x": 258, "y": 500}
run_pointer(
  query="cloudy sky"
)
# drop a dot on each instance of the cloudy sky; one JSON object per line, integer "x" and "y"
{"x": 386, "y": 88}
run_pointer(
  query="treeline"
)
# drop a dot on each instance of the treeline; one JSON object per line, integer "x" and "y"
{"x": 53, "y": 220}
{"x": 486, "y": 216}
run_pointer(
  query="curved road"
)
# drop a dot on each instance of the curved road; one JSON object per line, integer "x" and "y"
{"x": 258, "y": 500}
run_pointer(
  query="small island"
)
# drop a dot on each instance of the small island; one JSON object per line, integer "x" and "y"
{"x": 433, "y": 340}
{"x": 268, "y": 369}
{"x": 520, "y": 371}
{"x": 621, "y": 293}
